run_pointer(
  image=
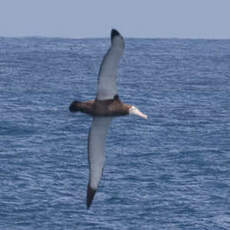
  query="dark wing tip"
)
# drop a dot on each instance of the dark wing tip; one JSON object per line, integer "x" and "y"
{"x": 114, "y": 33}
{"x": 90, "y": 195}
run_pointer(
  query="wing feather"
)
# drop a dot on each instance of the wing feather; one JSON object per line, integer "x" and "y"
{"x": 96, "y": 154}
{"x": 106, "y": 85}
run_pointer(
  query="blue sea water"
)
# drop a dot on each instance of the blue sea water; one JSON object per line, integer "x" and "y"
{"x": 171, "y": 171}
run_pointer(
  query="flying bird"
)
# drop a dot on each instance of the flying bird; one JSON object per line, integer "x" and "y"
{"x": 103, "y": 109}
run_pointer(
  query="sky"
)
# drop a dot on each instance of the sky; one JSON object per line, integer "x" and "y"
{"x": 133, "y": 18}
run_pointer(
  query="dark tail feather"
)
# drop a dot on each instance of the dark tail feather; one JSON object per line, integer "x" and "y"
{"x": 74, "y": 106}
{"x": 90, "y": 195}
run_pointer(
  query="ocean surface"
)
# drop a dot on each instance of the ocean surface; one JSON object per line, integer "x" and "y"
{"x": 169, "y": 172}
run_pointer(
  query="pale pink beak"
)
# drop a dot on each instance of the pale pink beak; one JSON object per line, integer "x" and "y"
{"x": 137, "y": 112}
{"x": 140, "y": 114}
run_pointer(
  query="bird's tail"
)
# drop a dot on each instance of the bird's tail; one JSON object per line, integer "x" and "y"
{"x": 74, "y": 106}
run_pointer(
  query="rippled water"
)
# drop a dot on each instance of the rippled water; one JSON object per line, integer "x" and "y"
{"x": 168, "y": 172}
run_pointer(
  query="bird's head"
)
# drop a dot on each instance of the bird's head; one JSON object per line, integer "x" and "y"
{"x": 135, "y": 111}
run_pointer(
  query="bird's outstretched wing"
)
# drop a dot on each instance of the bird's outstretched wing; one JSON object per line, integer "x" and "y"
{"x": 106, "y": 85}
{"x": 96, "y": 155}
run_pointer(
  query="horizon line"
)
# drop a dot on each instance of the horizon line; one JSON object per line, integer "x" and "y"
{"x": 128, "y": 37}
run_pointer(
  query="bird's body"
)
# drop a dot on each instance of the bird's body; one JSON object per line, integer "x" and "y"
{"x": 106, "y": 106}
{"x": 111, "y": 107}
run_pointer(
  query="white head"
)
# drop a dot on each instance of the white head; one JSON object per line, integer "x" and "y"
{"x": 135, "y": 111}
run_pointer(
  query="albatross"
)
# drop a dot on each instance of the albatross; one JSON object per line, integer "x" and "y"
{"x": 103, "y": 109}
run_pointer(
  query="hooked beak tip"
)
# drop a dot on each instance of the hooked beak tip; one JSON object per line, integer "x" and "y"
{"x": 144, "y": 116}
